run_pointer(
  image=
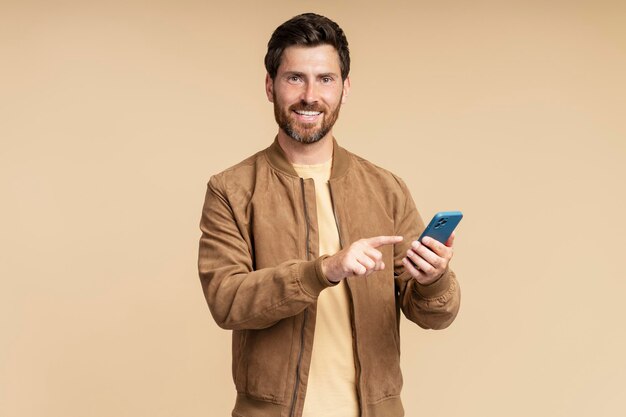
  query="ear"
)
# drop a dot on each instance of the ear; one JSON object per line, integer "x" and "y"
{"x": 269, "y": 88}
{"x": 346, "y": 89}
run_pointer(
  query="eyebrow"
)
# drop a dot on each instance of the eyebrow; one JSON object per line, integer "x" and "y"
{"x": 289, "y": 73}
{"x": 302, "y": 74}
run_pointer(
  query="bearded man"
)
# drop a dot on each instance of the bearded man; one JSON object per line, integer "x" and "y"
{"x": 309, "y": 253}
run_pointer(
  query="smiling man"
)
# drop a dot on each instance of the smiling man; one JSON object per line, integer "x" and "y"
{"x": 309, "y": 253}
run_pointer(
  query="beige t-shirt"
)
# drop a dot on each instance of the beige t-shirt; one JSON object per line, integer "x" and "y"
{"x": 331, "y": 389}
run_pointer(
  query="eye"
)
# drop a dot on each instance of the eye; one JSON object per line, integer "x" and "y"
{"x": 327, "y": 80}
{"x": 293, "y": 78}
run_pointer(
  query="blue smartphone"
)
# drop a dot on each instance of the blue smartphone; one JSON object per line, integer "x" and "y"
{"x": 442, "y": 225}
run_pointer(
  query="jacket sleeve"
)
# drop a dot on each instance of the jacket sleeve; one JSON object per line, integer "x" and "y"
{"x": 238, "y": 296}
{"x": 432, "y": 306}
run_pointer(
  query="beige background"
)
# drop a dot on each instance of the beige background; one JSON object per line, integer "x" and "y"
{"x": 113, "y": 115}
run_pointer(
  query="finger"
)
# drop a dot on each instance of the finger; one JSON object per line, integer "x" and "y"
{"x": 420, "y": 262}
{"x": 411, "y": 268}
{"x": 450, "y": 241}
{"x": 427, "y": 254}
{"x": 366, "y": 261}
{"x": 375, "y": 255}
{"x": 436, "y": 246}
{"x": 357, "y": 268}
{"x": 378, "y": 241}
{"x": 372, "y": 253}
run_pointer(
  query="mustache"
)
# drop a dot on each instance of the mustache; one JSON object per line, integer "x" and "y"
{"x": 307, "y": 107}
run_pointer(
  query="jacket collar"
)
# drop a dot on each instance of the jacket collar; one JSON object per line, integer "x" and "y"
{"x": 278, "y": 160}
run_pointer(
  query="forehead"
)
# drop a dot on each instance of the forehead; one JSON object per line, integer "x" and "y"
{"x": 318, "y": 59}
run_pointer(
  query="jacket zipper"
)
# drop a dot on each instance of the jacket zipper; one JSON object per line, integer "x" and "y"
{"x": 357, "y": 362}
{"x": 306, "y": 217}
{"x": 308, "y": 255}
{"x": 356, "y": 352}
{"x": 332, "y": 203}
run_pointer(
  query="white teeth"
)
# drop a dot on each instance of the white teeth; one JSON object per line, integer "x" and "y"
{"x": 308, "y": 113}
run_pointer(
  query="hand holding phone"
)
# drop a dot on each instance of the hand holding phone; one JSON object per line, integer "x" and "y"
{"x": 428, "y": 263}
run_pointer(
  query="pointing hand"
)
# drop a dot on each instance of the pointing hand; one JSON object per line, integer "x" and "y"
{"x": 360, "y": 258}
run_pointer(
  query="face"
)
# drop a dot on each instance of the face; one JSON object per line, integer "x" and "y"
{"x": 307, "y": 92}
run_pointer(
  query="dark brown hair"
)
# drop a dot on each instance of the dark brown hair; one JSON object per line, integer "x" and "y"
{"x": 308, "y": 29}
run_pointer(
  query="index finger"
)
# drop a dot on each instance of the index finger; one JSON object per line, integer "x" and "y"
{"x": 450, "y": 241}
{"x": 436, "y": 246}
{"x": 383, "y": 240}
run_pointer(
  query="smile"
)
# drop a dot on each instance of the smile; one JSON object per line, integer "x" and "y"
{"x": 308, "y": 113}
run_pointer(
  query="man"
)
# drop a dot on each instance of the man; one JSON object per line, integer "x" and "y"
{"x": 308, "y": 252}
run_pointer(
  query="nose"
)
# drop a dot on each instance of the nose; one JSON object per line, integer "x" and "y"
{"x": 309, "y": 93}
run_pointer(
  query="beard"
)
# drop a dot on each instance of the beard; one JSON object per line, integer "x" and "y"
{"x": 305, "y": 132}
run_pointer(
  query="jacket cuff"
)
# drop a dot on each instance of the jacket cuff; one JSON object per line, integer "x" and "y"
{"x": 312, "y": 278}
{"x": 437, "y": 288}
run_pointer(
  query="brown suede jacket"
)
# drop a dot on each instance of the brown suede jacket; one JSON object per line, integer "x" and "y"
{"x": 261, "y": 275}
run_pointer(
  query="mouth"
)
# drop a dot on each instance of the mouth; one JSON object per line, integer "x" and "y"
{"x": 307, "y": 116}
{"x": 308, "y": 112}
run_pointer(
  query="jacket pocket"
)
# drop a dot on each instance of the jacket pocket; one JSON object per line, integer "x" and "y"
{"x": 265, "y": 362}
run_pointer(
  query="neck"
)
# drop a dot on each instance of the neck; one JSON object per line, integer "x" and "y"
{"x": 306, "y": 153}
